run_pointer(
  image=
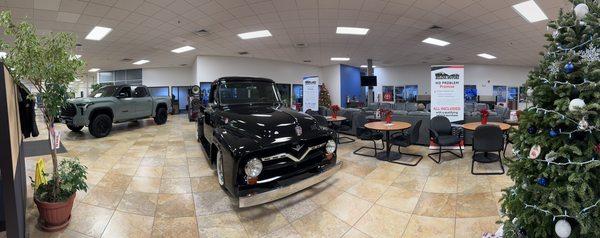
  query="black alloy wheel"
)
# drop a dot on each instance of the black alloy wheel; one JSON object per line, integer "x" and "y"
{"x": 161, "y": 116}
{"x": 74, "y": 128}
{"x": 100, "y": 126}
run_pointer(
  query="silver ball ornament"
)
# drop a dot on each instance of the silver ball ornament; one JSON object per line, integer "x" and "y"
{"x": 576, "y": 104}
{"x": 530, "y": 92}
{"x": 581, "y": 10}
{"x": 562, "y": 229}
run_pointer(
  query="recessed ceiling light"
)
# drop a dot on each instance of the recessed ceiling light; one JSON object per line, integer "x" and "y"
{"x": 2, "y": 54}
{"x": 183, "y": 49}
{"x": 351, "y": 30}
{"x": 530, "y": 11}
{"x": 486, "y": 55}
{"x": 98, "y": 33}
{"x": 435, "y": 41}
{"x": 254, "y": 34}
{"x": 340, "y": 58}
{"x": 94, "y": 70}
{"x": 365, "y": 66}
{"x": 140, "y": 62}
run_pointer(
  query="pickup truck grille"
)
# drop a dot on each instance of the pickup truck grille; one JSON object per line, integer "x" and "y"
{"x": 69, "y": 110}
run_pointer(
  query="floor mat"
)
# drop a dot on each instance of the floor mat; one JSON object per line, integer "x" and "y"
{"x": 40, "y": 147}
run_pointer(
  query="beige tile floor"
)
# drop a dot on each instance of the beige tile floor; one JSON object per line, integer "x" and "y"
{"x": 153, "y": 181}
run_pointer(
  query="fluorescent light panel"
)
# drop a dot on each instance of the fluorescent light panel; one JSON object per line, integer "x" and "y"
{"x": 365, "y": 66}
{"x": 340, "y": 59}
{"x": 486, "y": 55}
{"x": 530, "y": 11}
{"x": 98, "y": 33}
{"x": 435, "y": 41}
{"x": 94, "y": 70}
{"x": 254, "y": 34}
{"x": 351, "y": 30}
{"x": 183, "y": 49}
{"x": 140, "y": 62}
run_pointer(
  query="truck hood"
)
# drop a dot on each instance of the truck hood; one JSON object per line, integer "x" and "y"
{"x": 270, "y": 124}
{"x": 79, "y": 101}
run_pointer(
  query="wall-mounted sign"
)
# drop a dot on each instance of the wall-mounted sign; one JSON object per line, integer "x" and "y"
{"x": 447, "y": 91}
{"x": 310, "y": 93}
{"x": 388, "y": 93}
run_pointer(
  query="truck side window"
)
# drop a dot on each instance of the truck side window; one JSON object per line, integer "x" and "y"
{"x": 140, "y": 92}
{"x": 126, "y": 91}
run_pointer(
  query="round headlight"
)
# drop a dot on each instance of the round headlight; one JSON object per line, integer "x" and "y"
{"x": 330, "y": 147}
{"x": 253, "y": 168}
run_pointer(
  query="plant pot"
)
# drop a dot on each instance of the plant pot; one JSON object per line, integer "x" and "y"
{"x": 484, "y": 120}
{"x": 54, "y": 216}
{"x": 334, "y": 115}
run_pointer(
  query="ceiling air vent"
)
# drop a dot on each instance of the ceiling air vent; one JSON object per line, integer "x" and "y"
{"x": 300, "y": 45}
{"x": 183, "y": 65}
{"x": 243, "y": 53}
{"x": 306, "y": 61}
{"x": 201, "y": 33}
{"x": 435, "y": 27}
{"x": 127, "y": 60}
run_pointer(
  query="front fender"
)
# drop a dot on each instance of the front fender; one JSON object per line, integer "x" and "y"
{"x": 232, "y": 149}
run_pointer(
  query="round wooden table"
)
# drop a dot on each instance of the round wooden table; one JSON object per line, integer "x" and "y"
{"x": 471, "y": 126}
{"x": 338, "y": 119}
{"x": 383, "y": 126}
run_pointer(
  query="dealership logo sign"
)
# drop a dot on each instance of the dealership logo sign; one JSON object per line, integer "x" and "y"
{"x": 446, "y": 76}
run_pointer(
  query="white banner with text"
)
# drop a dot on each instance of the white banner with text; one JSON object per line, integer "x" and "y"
{"x": 447, "y": 91}
{"x": 310, "y": 93}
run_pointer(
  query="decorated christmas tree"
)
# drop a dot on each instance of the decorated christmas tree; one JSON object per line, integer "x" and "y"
{"x": 324, "y": 98}
{"x": 556, "y": 169}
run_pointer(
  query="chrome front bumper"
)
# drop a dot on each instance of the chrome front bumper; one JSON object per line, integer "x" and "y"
{"x": 282, "y": 192}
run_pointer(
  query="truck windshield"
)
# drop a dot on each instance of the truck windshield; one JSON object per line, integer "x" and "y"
{"x": 232, "y": 93}
{"x": 105, "y": 91}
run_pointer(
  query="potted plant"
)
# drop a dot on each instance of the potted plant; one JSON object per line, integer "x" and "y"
{"x": 48, "y": 64}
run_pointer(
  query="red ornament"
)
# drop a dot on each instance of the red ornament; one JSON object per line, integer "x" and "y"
{"x": 388, "y": 116}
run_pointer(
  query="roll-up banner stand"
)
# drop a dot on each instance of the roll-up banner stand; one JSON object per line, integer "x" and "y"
{"x": 310, "y": 93}
{"x": 447, "y": 93}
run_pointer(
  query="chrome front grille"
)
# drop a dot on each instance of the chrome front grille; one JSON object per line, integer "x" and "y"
{"x": 292, "y": 157}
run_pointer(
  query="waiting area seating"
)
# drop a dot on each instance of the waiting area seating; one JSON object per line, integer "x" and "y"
{"x": 440, "y": 131}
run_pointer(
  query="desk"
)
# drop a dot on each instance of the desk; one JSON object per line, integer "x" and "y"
{"x": 382, "y": 126}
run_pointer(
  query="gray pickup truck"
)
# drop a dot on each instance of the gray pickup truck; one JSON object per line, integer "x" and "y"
{"x": 113, "y": 104}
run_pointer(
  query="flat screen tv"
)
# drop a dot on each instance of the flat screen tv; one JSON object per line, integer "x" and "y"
{"x": 368, "y": 81}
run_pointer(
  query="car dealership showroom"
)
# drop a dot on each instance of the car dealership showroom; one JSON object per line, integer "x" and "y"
{"x": 300, "y": 118}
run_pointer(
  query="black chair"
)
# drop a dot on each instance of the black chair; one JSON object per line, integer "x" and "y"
{"x": 440, "y": 131}
{"x": 363, "y": 133}
{"x": 406, "y": 140}
{"x": 487, "y": 139}
{"x": 343, "y": 126}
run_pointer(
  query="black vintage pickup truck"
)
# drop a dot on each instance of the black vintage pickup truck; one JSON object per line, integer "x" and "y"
{"x": 262, "y": 151}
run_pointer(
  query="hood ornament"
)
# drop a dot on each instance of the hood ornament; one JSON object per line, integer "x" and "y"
{"x": 298, "y": 130}
{"x": 297, "y": 148}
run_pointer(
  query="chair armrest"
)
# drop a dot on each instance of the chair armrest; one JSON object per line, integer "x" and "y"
{"x": 433, "y": 134}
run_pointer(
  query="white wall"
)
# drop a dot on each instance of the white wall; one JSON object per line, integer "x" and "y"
{"x": 484, "y": 76}
{"x": 210, "y": 68}
{"x": 330, "y": 76}
{"x": 168, "y": 76}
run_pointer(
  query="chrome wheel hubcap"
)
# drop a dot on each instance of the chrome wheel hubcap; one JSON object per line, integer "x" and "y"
{"x": 220, "y": 169}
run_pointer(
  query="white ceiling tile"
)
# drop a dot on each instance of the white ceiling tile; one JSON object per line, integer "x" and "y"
{"x": 117, "y": 14}
{"x": 180, "y": 6}
{"x": 94, "y": 9}
{"x": 52, "y": 5}
{"x": 162, "y": 3}
{"x": 128, "y": 4}
{"x": 73, "y": 6}
{"x": 67, "y": 17}
{"x": 351, "y": 4}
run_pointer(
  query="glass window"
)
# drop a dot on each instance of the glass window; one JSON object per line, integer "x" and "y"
{"x": 125, "y": 92}
{"x": 105, "y": 77}
{"x": 140, "y": 92}
{"x": 159, "y": 91}
{"x": 105, "y": 91}
{"x": 247, "y": 92}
